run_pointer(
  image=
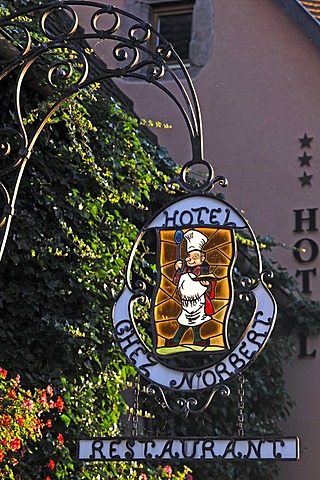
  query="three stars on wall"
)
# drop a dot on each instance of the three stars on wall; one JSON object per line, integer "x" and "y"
{"x": 305, "y": 159}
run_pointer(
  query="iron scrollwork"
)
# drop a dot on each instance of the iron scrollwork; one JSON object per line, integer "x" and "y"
{"x": 58, "y": 54}
{"x": 186, "y": 406}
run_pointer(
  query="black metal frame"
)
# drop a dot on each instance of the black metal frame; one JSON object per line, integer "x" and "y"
{"x": 63, "y": 77}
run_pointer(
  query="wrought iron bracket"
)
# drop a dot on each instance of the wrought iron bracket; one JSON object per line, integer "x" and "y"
{"x": 186, "y": 406}
{"x": 59, "y": 50}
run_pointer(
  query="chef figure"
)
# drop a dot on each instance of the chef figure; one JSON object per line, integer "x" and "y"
{"x": 196, "y": 287}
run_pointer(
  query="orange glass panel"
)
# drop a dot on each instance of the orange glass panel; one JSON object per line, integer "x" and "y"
{"x": 221, "y": 271}
{"x": 167, "y": 286}
{"x": 217, "y": 342}
{"x": 227, "y": 250}
{"x": 192, "y": 303}
{"x": 188, "y": 337}
{"x": 168, "y": 328}
{"x": 221, "y": 314}
{"x": 211, "y": 328}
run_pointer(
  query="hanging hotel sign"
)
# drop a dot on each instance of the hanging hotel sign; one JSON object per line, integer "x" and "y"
{"x": 192, "y": 299}
{"x": 188, "y": 297}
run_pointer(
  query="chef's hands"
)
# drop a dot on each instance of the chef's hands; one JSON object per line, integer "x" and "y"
{"x": 178, "y": 265}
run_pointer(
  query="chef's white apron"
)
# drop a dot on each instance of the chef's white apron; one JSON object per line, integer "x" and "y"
{"x": 192, "y": 294}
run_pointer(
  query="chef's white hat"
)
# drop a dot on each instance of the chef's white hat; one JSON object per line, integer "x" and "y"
{"x": 195, "y": 240}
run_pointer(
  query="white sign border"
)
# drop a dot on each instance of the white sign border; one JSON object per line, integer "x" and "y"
{"x": 235, "y": 361}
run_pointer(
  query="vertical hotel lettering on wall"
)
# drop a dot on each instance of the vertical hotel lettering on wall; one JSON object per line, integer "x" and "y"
{"x": 306, "y": 249}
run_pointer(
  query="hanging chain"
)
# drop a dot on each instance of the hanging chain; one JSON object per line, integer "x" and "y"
{"x": 241, "y": 406}
{"x": 135, "y": 410}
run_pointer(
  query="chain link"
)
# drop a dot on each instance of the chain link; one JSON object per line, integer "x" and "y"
{"x": 241, "y": 406}
{"x": 135, "y": 410}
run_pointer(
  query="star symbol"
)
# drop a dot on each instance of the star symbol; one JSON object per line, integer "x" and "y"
{"x": 305, "y": 141}
{"x": 305, "y": 179}
{"x": 305, "y": 159}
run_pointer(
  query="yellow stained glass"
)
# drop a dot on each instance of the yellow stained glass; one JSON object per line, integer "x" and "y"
{"x": 193, "y": 300}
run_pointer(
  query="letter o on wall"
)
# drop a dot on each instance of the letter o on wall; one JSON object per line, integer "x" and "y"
{"x": 312, "y": 250}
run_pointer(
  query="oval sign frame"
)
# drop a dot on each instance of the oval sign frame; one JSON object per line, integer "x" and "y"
{"x": 205, "y": 211}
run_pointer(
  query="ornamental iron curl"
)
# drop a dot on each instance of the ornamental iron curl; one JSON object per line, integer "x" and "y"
{"x": 189, "y": 405}
{"x": 46, "y": 42}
